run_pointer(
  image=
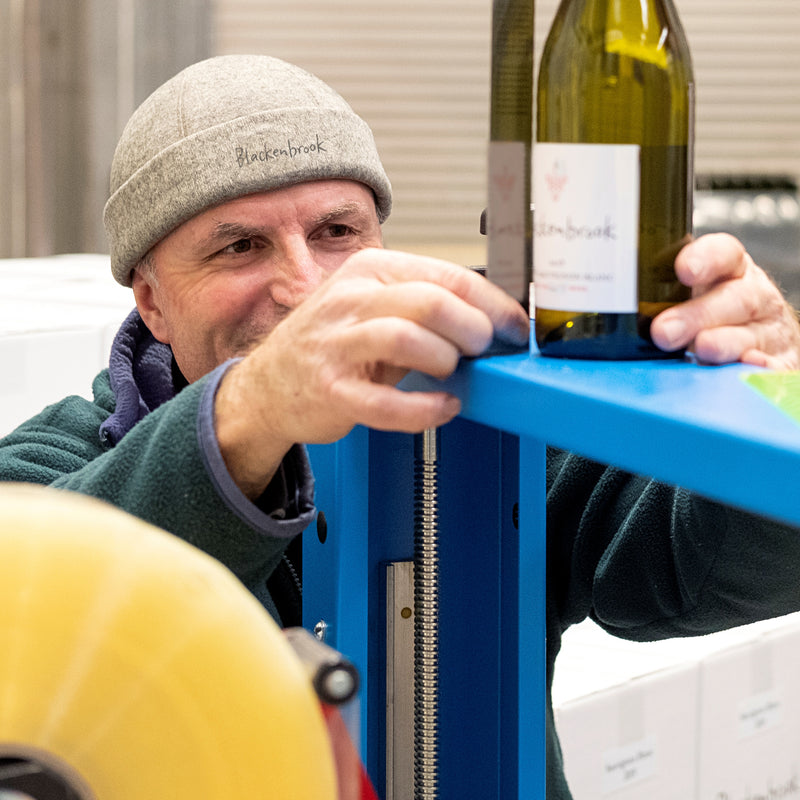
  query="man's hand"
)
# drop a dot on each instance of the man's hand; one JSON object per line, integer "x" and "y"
{"x": 736, "y": 312}
{"x": 334, "y": 362}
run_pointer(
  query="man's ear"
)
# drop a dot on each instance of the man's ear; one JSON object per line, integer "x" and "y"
{"x": 147, "y": 301}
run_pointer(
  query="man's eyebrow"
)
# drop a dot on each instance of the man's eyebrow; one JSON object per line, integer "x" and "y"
{"x": 227, "y": 232}
{"x": 343, "y": 210}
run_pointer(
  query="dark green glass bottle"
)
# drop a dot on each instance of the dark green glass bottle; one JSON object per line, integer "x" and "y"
{"x": 511, "y": 133}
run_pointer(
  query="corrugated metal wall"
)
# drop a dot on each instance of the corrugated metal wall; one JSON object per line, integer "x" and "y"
{"x": 71, "y": 72}
{"x": 418, "y": 70}
{"x": 747, "y": 65}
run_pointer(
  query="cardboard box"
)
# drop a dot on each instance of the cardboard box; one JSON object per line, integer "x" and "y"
{"x": 626, "y": 717}
{"x": 635, "y": 739}
{"x": 749, "y": 723}
{"x": 58, "y": 317}
{"x": 82, "y": 279}
{"x": 636, "y": 720}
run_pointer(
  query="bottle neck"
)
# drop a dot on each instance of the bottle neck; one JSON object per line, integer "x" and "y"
{"x": 640, "y": 19}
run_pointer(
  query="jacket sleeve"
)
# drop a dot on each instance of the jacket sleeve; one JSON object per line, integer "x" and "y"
{"x": 647, "y": 560}
{"x": 165, "y": 471}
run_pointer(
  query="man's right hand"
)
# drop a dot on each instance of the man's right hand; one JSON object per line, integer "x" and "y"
{"x": 334, "y": 362}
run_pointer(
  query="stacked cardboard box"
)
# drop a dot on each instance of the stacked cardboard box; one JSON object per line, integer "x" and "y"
{"x": 749, "y": 721}
{"x": 710, "y": 718}
{"x": 58, "y": 316}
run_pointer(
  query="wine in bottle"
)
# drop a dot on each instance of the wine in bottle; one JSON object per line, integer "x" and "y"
{"x": 612, "y": 176}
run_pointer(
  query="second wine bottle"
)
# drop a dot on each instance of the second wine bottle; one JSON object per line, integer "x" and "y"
{"x": 612, "y": 176}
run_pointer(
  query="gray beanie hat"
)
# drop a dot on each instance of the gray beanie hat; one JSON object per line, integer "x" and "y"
{"x": 223, "y": 128}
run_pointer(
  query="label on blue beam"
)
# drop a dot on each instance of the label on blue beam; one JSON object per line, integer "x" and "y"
{"x": 782, "y": 389}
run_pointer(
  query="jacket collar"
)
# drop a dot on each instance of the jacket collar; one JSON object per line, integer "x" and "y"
{"x": 141, "y": 376}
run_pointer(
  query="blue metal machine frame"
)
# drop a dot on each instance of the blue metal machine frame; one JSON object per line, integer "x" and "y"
{"x": 700, "y": 427}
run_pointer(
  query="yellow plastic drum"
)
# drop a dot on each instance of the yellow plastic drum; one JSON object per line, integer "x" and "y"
{"x": 135, "y": 667}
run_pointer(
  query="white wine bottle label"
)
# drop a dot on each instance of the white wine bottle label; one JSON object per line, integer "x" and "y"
{"x": 506, "y": 218}
{"x": 586, "y": 227}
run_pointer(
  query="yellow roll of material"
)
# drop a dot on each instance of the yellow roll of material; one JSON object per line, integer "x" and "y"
{"x": 136, "y": 667}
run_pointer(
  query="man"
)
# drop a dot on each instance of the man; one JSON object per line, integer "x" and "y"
{"x": 245, "y": 211}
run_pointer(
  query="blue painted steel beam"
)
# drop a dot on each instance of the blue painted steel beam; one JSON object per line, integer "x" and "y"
{"x": 696, "y": 426}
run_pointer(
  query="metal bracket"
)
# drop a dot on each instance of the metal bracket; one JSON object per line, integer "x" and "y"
{"x": 400, "y": 680}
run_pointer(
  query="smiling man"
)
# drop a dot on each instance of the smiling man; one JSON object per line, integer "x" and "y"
{"x": 268, "y": 316}
{"x": 245, "y": 212}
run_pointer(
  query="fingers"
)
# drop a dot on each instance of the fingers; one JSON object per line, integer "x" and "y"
{"x": 359, "y": 377}
{"x": 703, "y": 264}
{"x": 390, "y": 409}
{"x": 724, "y": 344}
{"x": 509, "y": 320}
{"x": 736, "y": 312}
{"x": 736, "y": 301}
{"x": 335, "y": 360}
{"x": 430, "y": 307}
{"x": 727, "y": 290}
{"x": 709, "y": 260}
{"x": 757, "y": 358}
{"x": 388, "y": 347}
{"x": 773, "y": 343}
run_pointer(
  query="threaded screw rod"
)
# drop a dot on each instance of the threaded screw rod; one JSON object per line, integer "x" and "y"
{"x": 426, "y": 616}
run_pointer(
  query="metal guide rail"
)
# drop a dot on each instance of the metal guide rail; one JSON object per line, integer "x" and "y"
{"x": 701, "y": 427}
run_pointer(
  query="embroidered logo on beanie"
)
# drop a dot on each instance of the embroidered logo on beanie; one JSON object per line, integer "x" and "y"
{"x": 267, "y": 153}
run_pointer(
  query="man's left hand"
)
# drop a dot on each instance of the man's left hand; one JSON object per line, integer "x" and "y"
{"x": 736, "y": 312}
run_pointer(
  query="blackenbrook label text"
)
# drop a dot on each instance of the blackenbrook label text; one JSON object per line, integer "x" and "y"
{"x": 245, "y": 156}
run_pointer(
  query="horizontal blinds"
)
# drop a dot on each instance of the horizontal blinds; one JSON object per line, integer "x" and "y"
{"x": 418, "y": 72}
{"x": 746, "y": 59}
{"x": 747, "y": 63}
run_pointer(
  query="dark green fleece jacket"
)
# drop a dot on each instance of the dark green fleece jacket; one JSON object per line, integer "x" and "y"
{"x": 650, "y": 561}
{"x": 152, "y": 452}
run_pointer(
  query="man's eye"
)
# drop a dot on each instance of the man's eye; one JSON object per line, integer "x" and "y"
{"x": 339, "y": 230}
{"x": 240, "y": 246}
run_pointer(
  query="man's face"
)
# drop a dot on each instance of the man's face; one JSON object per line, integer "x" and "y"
{"x": 229, "y": 275}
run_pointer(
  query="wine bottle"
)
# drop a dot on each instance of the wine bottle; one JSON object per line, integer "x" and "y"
{"x": 613, "y": 176}
{"x": 508, "y": 226}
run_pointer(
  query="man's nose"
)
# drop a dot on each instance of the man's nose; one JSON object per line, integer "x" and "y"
{"x": 297, "y": 275}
